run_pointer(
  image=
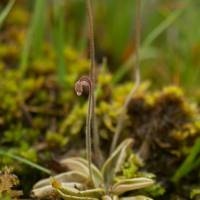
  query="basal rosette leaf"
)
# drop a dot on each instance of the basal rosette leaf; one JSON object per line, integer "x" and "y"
{"x": 47, "y": 190}
{"x": 114, "y": 163}
{"x": 44, "y": 188}
{"x": 131, "y": 184}
{"x": 66, "y": 177}
{"x": 75, "y": 193}
{"x": 136, "y": 198}
{"x": 81, "y": 165}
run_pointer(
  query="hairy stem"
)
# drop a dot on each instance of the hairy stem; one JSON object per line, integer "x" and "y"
{"x": 93, "y": 79}
{"x": 121, "y": 118}
{"x": 79, "y": 87}
{"x": 88, "y": 135}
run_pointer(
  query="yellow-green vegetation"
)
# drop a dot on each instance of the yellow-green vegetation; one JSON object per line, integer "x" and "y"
{"x": 42, "y": 120}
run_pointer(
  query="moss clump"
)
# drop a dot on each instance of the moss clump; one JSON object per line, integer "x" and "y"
{"x": 7, "y": 183}
{"x": 165, "y": 131}
{"x": 164, "y": 125}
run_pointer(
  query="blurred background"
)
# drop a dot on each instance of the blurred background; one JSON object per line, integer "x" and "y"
{"x": 44, "y": 50}
{"x": 170, "y": 45}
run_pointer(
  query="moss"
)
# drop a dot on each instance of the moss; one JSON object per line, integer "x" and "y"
{"x": 131, "y": 167}
{"x": 48, "y": 119}
{"x": 19, "y": 16}
{"x": 7, "y": 183}
{"x": 195, "y": 193}
{"x": 40, "y": 119}
{"x": 55, "y": 140}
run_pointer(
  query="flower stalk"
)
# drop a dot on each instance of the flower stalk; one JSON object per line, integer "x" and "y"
{"x": 85, "y": 82}
{"x": 89, "y": 82}
{"x": 95, "y": 135}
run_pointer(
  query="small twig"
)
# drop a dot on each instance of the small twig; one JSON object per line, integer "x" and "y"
{"x": 53, "y": 125}
{"x": 25, "y": 110}
{"x": 120, "y": 121}
{"x": 26, "y": 113}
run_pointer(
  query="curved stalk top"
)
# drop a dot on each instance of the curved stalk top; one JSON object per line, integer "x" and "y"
{"x": 89, "y": 82}
{"x": 83, "y": 82}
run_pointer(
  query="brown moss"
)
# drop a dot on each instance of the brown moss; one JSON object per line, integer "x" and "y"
{"x": 162, "y": 130}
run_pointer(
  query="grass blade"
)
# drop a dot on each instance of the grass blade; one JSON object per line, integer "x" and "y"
{"x": 148, "y": 41}
{"x": 6, "y": 11}
{"x": 162, "y": 27}
{"x": 189, "y": 164}
{"x": 35, "y": 35}
{"x": 59, "y": 40}
{"x": 25, "y": 161}
{"x": 145, "y": 54}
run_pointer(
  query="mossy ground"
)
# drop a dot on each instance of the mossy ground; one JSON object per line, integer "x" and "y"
{"x": 42, "y": 120}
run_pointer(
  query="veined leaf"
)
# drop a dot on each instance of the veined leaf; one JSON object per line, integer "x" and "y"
{"x": 49, "y": 190}
{"x": 106, "y": 197}
{"x": 131, "y": 184}
{"x": 136, "y": 198}
{"x": 115, "y": 161}
{"x": 81, "y": 165}
{"x": 75, "y": 165}
{"x": 98, "y": 178}
{"x": 110, "y": 198}
{"x": 67, "y": 193}
{"x": 97, "y": 193}
{"x": 43, "y": 192}
{"x": 69, "y": 197}
{"x": 66, "y": 177}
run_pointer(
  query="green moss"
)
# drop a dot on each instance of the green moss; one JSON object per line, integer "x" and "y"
{"x": 132, "y": 166}
{"x": 55, "y": 140}
{"x": 195, "y": 194}
{"x": 39, "y": 119}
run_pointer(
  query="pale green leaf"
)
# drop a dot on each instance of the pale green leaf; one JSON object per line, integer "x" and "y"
{"x": 96, "y": 193}
{"x": 106, "y": 197}
{"x": 66, "y": 177}
{"x": 68, "y": 192}
{"x": 70, "y": 197}
{"x": 115, "y": 162}
{"x": 76, "y": 191}
{"x": 136, "y": 198}
{"x": 81, "y": 165}
{"x": 43, "y": 192}
{"x": 74, "y": 165}
{"x": 47, "y": 190}
{"x": 131, "y": 184}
